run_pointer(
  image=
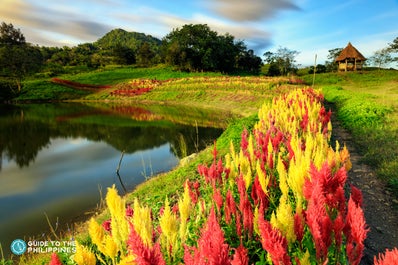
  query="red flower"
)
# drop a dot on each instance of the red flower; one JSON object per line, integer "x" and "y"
{"x": 299, "y": 224}
{"x": 355, "y": 231}
{"x": 240, "y": 256}
{"x": 318, "y": 221}
{"x": 230, "y": 207}
{"x": 211, "y": 247}
{"x": 107, "y": 225}
{"x": 257, "y": 194}
{"x": 55, "y": 260}
{"x": 389, "y": 258}
{"x": 273, "y": 241}
{"x": 217, "y": 197}
{"x": 129, "y": 211}
{"x": 356, "y": 195}
{"x": 143, "y": 254}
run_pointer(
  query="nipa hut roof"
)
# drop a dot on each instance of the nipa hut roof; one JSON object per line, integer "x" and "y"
{"x": 350, "y": 52}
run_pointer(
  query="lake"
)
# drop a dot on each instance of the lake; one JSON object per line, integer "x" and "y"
{"x": 57, "y": 159}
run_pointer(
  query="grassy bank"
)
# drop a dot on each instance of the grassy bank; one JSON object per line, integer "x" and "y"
{"x": 367, "y": 105}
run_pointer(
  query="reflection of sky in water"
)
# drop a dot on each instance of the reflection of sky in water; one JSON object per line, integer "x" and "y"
{"x": 65, "y": 179}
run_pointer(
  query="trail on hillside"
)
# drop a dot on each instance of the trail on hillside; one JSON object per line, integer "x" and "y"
{"x": 380, "y": 214}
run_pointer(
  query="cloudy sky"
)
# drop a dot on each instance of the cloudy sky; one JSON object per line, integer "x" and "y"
{"x": 307, "y": 26}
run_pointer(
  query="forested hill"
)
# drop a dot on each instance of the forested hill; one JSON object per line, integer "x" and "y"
{"x": 132, "y": 40}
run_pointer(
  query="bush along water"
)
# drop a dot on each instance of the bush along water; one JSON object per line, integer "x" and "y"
{"x": 280, "y": 199}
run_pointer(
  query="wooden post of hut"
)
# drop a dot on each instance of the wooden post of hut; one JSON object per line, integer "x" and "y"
{"x": 350, "y": 59}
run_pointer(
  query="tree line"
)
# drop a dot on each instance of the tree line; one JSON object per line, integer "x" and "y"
{"x": 193, "y": 47}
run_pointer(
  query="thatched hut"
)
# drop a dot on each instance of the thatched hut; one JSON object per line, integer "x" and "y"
{"x": 350, "y": 59}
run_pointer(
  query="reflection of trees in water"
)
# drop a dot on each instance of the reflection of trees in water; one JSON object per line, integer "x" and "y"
{"x": 21, "y": 138}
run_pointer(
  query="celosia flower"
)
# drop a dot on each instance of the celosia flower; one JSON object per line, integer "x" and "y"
{"x": 218, "y": 199}
{"x": 299, "y": 224}
{"x": 169, "y": 225}
{"x": 211, "y": 246}
{"x": 55, "y": 260}
{"x": 355, "y": 231}
{"x": 319, "y": 221}
{"x": 184, "y": 207}
{"x": 107, "y": 225}
{"x": 83, "y": 256}
{"x": 273, "y": 241}
{"x": 240, "y": 256}
{"x": 142, "y": 252}
{"x": 129, "y": 211}
{"x": 119, "y": 225}
{"x": 389, "y": 258}
{"x": 142, "y": 221}
{"x": 230, "y": 207}
{"x": 356, "y": 195}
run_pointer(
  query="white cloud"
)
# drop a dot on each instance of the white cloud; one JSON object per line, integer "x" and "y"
{"x": 249, "y": 10}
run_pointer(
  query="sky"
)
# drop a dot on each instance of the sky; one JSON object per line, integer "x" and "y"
{"x": 311, "y": 27}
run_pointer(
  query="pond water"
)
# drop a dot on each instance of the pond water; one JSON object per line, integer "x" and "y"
{"x": 58, "y": 159}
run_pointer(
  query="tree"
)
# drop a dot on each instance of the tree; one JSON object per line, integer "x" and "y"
{"x": 331, "y": 65}
{"x": 320, "y": 68}
{"x": 145, "y": 54}
{"x": 281, "y": 61}
{"x": 248, "y": 61}
{"x": 123, "y": 55}
{"x": 198, "y": 48}
{"x": 394, "y": 45}
{"x": 17, "y": 58}
{"x": 393, "y": 48}
{"x": 381, "y": 57}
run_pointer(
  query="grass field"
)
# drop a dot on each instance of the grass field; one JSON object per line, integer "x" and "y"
{"x": 367, "y": 105}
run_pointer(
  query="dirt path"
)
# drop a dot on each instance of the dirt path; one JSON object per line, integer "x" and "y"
{"x": 380, "y": 214}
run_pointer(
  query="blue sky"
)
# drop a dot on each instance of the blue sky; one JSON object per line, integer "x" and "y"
{"x": 307, "y": 26}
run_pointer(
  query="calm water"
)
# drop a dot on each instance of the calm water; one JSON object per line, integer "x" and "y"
{"x": 57, "y": 159}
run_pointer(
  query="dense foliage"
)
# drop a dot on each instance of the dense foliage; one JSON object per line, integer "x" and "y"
{"x": 17, "y": 58}
{"x": 198, "y": 48}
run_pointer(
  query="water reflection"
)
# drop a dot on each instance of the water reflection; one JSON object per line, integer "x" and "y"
{"x": 55, "y": 158}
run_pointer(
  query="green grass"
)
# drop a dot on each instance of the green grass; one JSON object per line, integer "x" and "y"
{"x": 367, "y": 105}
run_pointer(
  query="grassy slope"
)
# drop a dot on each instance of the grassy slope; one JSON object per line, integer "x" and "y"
{"x": 367, "y": 105}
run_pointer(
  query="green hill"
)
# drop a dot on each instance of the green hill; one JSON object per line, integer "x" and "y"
{"x": 133, "y": 40}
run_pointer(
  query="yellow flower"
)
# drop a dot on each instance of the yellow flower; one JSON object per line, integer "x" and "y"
{"x": 142, "y": 222}
{"x": 119, "y": 224}
{"x": 83, "y": 256}
{"x": 262, "y": 178}
{"x": 110, "y": 248}
{"x": 283, "y": 219}
{"x": 169, "y": 225}
{"x": 184, "y": 206}
{"x": 305, "y": 260}
{"x": 96, "y": 233}
{"x": 282, "y": 177}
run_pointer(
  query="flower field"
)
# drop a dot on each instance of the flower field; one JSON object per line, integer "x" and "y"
{"x": 282, "y": 198}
